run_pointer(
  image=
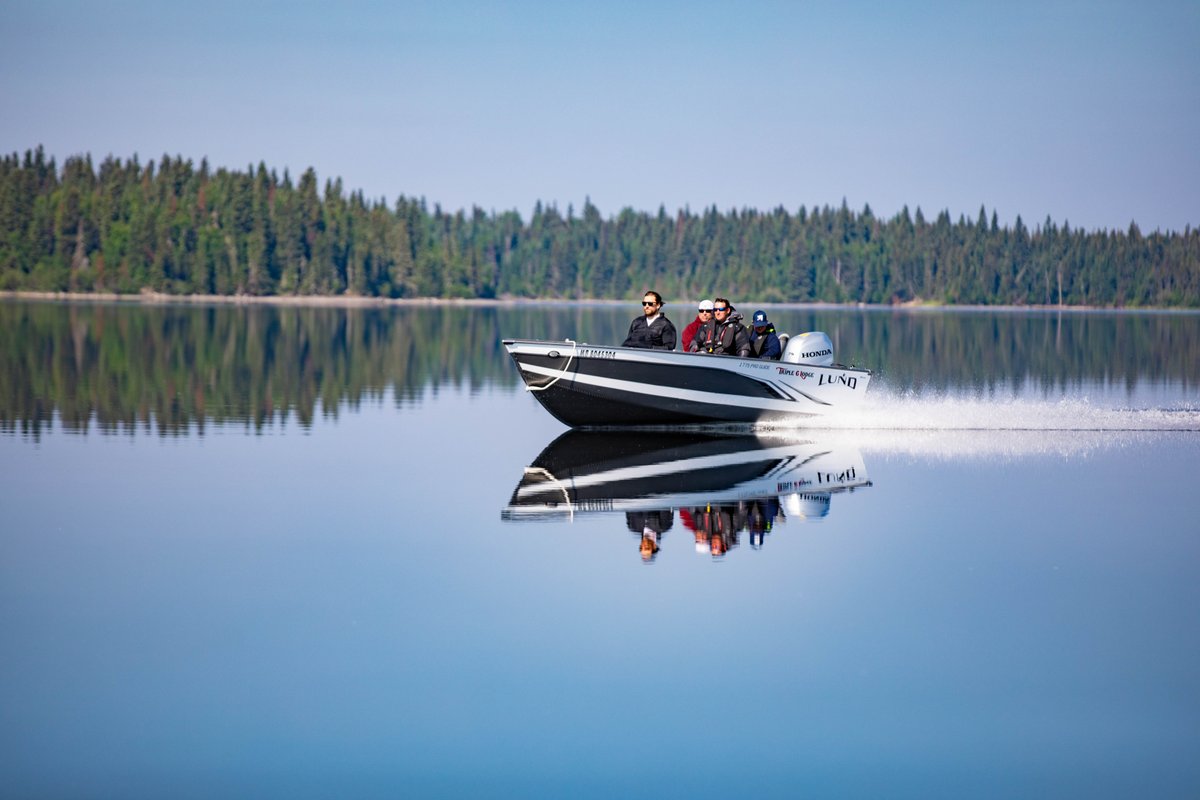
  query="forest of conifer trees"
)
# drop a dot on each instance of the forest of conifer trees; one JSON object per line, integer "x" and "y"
{"x": 176, "y": 228}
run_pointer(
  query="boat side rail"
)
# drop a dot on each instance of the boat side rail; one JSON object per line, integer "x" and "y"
{"x": 562, "y": 372}
{"x": 722, "y": 361}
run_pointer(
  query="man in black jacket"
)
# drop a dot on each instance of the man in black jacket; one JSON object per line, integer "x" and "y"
{"x": 725, "y": 335}
{"x": 652, "y": 330}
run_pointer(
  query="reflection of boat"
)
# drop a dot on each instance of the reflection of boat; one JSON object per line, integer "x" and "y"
{"x": 585, "y": 385}
{"x": 628, "y": 471}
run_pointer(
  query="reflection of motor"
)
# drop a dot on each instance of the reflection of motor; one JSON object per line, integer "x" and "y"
{"x": 807, "y": 505}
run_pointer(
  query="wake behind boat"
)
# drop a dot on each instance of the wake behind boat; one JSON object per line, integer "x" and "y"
{"x": 585, "y": 385}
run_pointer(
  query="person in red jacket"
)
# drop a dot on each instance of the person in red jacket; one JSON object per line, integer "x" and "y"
{"x": 702, "y": 316}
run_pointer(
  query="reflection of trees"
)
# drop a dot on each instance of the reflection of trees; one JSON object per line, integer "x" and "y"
{"x": 118, "y": 365}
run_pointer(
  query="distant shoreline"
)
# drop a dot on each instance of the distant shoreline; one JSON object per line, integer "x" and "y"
{"x": 343, "y": 301}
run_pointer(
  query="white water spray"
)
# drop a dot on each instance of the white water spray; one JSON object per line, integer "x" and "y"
{"x": 957, "y": 427}
{"x": 893, "y": 411}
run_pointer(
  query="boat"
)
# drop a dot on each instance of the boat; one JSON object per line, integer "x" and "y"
{"x": 645, "y": 471}
{"x": 586, "y": 386}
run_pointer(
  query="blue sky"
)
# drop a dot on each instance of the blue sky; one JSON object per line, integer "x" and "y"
{"x": 1083, "y": 112}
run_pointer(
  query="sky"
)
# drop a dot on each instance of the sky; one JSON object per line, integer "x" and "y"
{"x": 1086, "y": 113}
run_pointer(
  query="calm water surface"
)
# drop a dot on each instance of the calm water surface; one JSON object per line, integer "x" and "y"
{"x": 253, "y": 552}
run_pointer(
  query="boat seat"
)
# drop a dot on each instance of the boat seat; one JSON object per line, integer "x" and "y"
{"x": 783, "y": 340}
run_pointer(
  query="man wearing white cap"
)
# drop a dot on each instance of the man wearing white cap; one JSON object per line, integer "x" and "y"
{"x": 702, "y": 316}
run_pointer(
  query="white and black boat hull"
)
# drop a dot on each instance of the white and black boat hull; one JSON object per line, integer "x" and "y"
{"x": 598, "y": 386}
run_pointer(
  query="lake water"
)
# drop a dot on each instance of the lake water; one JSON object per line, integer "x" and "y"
{"x": 321, "y": 552}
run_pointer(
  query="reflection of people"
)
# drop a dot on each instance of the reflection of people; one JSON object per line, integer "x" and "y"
{"x": 725, "y": 334}
{"x": 716, "y": 527}
{"x": 649, "y": 548}
{"x": 703, "y": 314}
{"x": 761, "y": 516}
{"x": 650, "y": 525}
{"x": 692, "y": 523}
{"x": 652, "y": 330}
{"x": 764, "y": 341}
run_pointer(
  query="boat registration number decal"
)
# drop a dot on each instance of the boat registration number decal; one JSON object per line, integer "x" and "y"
{"x": 592, "y": 352}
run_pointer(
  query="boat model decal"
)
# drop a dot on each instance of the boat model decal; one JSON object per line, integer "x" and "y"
{"x": 802, "y": 374}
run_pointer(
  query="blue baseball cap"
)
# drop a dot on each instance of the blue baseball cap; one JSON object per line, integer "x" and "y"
{"x": 760, "y": 318}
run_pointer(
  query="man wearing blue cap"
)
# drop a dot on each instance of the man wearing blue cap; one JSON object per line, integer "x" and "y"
{"x": 764, "y": 342}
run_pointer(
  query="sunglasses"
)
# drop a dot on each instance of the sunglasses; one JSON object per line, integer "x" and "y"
{"x": 720, "y": 308}
{"x": 705, "y": 311}
{"x": 649, "y": 304}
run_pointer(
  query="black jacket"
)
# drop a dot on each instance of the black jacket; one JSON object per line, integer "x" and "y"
{"x": 658, "y": 335}
{"x": 729, "y": 338}
{"x": 767, "y": 345}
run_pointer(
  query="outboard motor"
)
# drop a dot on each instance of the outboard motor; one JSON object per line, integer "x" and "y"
{"x": 813, "y": 347}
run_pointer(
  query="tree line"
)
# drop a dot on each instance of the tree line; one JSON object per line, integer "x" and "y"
{"x": 177, "y": 228}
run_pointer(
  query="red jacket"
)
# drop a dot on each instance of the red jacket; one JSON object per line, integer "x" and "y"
{"x": 689, "y": 333}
